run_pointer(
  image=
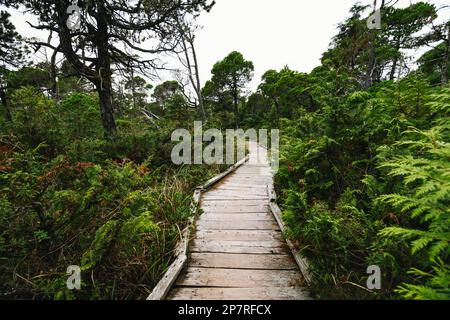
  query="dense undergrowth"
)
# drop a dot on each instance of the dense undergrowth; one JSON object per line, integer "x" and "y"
{"x": 115, "y": 207}
{"x": 366, "y": 182}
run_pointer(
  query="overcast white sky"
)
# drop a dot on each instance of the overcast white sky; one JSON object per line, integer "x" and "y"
{"x": 273, "y": 34}
{"x": 270, "y": 33}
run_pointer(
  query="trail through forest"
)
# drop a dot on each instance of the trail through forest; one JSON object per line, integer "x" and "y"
{"x": 238, "y": 251}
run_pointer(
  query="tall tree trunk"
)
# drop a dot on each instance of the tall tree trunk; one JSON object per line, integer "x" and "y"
{"x": 445, "y": 62}
{"x": 188, "y": 38}
{"x": 394, "y": 68}
{"x": 133, "y": 88}
{"x": 104, "y": 90}
{"x": 104, "y": 84}
{"x": 370, "y": 64}
{"x": 53, "y": 76}
{"x": 372, "y": 74}
{"x": 236, "y": 102}
{"x": 198, "y": 87}
{"x": 395, "y": 62}
{"x": 5, "y": 103}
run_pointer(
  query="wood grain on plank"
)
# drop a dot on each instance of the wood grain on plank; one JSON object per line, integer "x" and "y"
{"x": 239, "y": 235}
{"x": 225, "y": 247}
{"x": 237, "y": 204}
{"x": 236, "y": 225}
{"x": 236, "y": 217}
{"x": 275, "y": 293}
{"x": 163, "y": 287}
{"x": 239, "y": 278}
{"x": 242, "y": 261}
{"x": 263, "y": 244}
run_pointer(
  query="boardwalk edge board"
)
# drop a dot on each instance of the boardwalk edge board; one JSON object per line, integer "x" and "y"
{"x": 219, "y": 177}
{"x": 165, "y": 284}
{"x": 301, "y": 261}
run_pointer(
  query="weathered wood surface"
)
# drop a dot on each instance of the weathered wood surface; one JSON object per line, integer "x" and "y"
{"x": 163, "y": 287}
{"x": 260, "y": 293}
{"x": 238, "y": 251}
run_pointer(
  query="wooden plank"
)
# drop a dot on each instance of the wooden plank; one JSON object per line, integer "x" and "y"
{"x": 239, "y": 235}
{"x": 256, "y": 165}
{"x": 239, "y": 278}
{"x": 236, "y": 217}
{"x": 299, "y": 259}
{"x": 237, "y": 195}
{"x": 236, "y": 203}
{"x": 249, "y": 176}
{"x": 250, "y": 180}
{"x": 277, "y": 293}
{"x": 221, "y": 176}
{"x": 252, "y": 171}
{"x": 242, "y": 261}
{"x": 271, "y": 192}
{"x": 235, "y": 211}
{"x": 216, "y": 179}
{"x": 256, "y": 176}
{"x": 243, "y": 192}
{"x": 225, "y": 247}
{"x": 164, "y": 285}
{"x": 228, "y": 187}
{"x": 262, "y": 190}
{"x": 231, "y": 184}
{"x": 260, "y": 244}
{"x": 229, "y": 198}
{"x": 236, "y": 225}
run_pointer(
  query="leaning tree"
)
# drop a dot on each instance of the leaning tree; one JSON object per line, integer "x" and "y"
{"x": 112, "y": 36}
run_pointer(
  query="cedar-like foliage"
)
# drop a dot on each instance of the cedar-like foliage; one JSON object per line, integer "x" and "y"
{"x": 425, "y": 173}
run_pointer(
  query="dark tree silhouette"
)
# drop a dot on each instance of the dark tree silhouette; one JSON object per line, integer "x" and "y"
{"x": 11, "y": 55}
{"x": 113, "y": 35}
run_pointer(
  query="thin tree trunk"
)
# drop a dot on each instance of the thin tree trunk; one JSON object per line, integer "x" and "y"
{"x": 133, "y": 88}
{"x": 198, "y": 88}
{"x": 235, "y": 102}
{"x": 394, "y": 68}
{"x": 54, "y": 83}
{"x": 5, "y": 103}
{"x": 444, "y": 77}
{"x": 371, "y": 66}
{"x": 371, "y": 62}
{"x": 195, "y": 81}
{"x": 395, "y": 62}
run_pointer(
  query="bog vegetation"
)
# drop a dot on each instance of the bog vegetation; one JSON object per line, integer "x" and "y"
{"x": 85, "y": 142}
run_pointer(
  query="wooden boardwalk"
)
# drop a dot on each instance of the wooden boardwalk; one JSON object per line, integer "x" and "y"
{"x": 238, "y": 251}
